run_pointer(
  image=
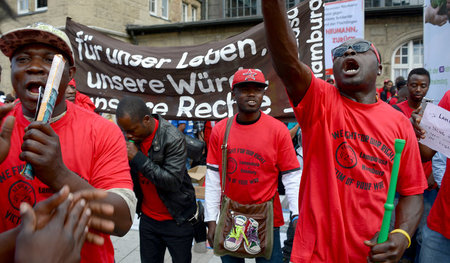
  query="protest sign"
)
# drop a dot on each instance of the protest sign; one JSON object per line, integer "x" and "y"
{"x": 190, "y": 82}
{"x": 436, "y": 123}
{"x": 344, "y": 20}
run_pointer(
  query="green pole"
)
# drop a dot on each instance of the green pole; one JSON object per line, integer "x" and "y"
{"x": 389, "y": 205}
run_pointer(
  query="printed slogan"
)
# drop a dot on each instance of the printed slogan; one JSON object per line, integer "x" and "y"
{"x": 373, "y": 164}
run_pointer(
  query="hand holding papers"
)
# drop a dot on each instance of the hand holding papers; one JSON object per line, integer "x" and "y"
{"x": 436, "y": 123}
{"x": 47, "y": 103}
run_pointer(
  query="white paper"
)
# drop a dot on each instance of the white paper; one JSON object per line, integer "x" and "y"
{"x": 436, "y": 123}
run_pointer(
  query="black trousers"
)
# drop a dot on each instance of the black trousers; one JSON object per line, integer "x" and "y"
{"x": 155, "y": 236}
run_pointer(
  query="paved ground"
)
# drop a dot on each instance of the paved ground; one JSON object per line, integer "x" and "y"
{"x": 126, "y": 248}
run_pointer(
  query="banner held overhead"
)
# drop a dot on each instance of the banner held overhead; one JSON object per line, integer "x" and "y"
{"x": 190, "y": 82}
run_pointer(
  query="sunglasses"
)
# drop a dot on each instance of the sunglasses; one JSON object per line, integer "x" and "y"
{"x": 359, "y": 47}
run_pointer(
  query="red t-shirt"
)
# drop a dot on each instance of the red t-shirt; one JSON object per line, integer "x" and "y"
{"x": 404, "y": 106}
{"x": 86, "y": 150}
{"x": 152, "y": 206}
{"x": 257, "y": 154}
{"x": 393, "y": 100}
{"x": 84, "y": 101}
{"x": 348, "y": 159}
{"x": 439, "y": 217}
{"x": 208, "y": 128}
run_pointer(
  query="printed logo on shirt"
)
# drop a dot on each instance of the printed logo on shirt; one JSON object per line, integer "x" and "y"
{"x": 232, "y": 165}
{"x": 346, "y": 156}
{"x": 20, "y": 192}
{"x": 369, "y": 173}
{"x": 243, "y": 166}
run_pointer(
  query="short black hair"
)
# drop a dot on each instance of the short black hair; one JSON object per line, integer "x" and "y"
{"x": 135, "y": 107}
{"x": 419, "y": 71}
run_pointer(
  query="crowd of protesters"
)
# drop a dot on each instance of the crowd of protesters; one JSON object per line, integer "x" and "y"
{"x": 92, "y": 176}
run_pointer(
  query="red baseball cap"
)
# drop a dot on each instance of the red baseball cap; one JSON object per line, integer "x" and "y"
{"x": 253, "y": 76}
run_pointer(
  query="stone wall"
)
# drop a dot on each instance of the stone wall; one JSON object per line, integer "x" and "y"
{"x": 110, "y": 17}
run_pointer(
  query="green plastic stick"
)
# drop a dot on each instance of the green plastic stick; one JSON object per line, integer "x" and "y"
{"x": 389, "y": 205}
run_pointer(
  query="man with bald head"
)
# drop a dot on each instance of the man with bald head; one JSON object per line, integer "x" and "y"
{"x": 348, "y": 139}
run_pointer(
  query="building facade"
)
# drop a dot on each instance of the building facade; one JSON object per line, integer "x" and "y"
{"x": 110, "y": 17}
{"x": 394, "y": 26}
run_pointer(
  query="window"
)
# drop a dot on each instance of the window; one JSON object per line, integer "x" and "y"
{"x": 152, "y": 7}
{"x": 22, "y": 7}
{"x": 235, "y": 8}
{"x": 184, "y": 12}
{"x": 165, "y": 9}
{"x": 40, "y": 5}
{"x": 407, "y": 57}
{"x": 194, "y": 14}
{"x": 292, "y": 3}
{"x": 389, "y": 3}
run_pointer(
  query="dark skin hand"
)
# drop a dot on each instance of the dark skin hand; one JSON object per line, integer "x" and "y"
{"x": 41, "y": 148}
{"x": 426, "y": 153}
{"x": 5, "y": 135}
{"x": 64, "y": 234}
{"x": 44, "y": 212}
{"x": 211, "y": 232}
{"x": 408, "y": 213}
{"x": 132, "y": 150}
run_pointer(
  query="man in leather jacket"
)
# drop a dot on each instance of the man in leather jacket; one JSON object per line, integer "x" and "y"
{"x": 157, "y": 156}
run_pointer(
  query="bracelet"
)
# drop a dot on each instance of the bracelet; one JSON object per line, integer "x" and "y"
{"x": 398, "y": 230}
{"x": 294, "y": 218}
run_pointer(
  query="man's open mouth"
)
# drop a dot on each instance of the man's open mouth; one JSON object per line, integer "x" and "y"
{"x": 350, "y": 66}
{"x": 33, "y": 88}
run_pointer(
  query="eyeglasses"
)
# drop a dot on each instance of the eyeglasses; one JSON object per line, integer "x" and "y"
{"x": 360, "y": 47}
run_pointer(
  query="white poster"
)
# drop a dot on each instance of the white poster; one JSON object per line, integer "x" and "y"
{"x": 344, "y": 20}
{"x": 436, "y": 123}
{"x": 436, "y": 47}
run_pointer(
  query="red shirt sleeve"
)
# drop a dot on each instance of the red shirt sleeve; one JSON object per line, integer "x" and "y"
{"x": 111, "y": 169}
{"x": 445, "y": 101}
{"x": 287, "y": 158}
{"x": 215, "y": 142}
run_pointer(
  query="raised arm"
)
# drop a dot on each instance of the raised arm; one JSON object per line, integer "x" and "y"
{"x": 295, "y": 75}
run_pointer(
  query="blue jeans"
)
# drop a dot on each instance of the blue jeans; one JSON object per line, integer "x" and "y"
{"x": 277, "y": 256}
{"x": 435, "y": 247}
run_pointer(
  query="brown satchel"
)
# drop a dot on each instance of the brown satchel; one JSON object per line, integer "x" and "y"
{"x": 244, "y": 231}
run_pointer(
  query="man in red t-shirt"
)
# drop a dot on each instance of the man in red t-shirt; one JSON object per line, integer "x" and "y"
{"x": 157, "y": 155}
{"x": 417, "y": 85}
{"x": 70, "y": 150}
{"x": 78, "y": 98}
{"x": 259, "y": 149}
{"x": 436, "y": 234}
{"x": 348, "y": 142}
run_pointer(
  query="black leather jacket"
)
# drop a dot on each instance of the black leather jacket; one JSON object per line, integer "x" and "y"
{"x": 165, "y": 167}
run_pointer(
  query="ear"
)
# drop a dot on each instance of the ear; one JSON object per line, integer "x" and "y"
{"x": 380, "y": 70}
{"x": 72, "y": 71}
{"x": 147, "y": 119}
